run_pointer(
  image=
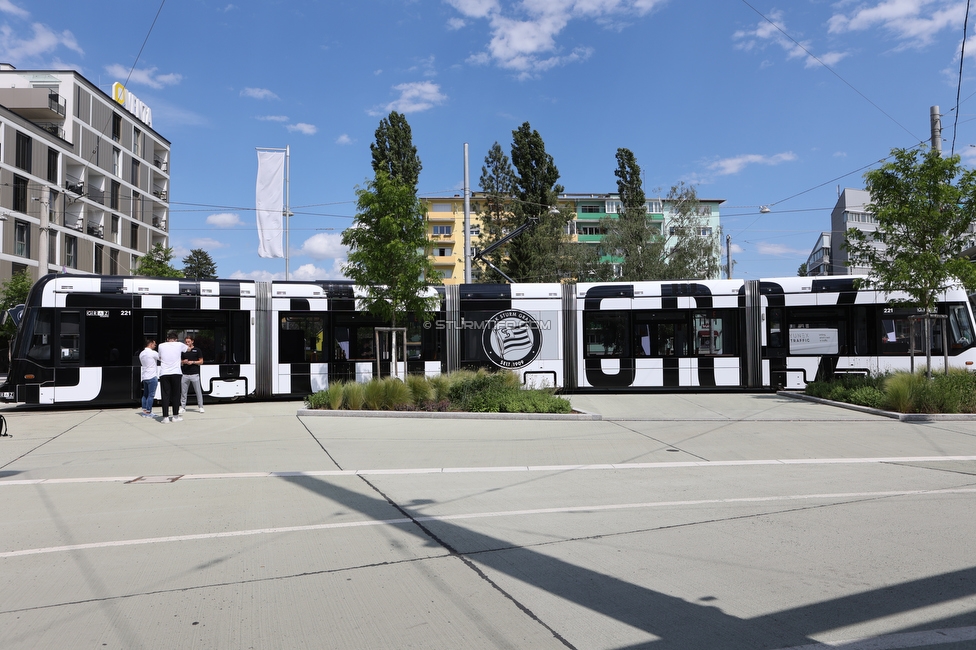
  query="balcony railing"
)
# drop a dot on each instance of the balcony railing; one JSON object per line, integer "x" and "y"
{"x": 96, "y": 230}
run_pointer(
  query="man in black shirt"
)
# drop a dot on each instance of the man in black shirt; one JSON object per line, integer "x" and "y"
{"x": 192, "y": 359}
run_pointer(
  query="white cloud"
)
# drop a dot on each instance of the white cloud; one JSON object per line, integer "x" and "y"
{"x": 8, "y": 7}
{"x": 40, "y": 43}
{"x": 273, "y": 118}
{"x": 258, "y": 93}
{"x": 225, "y": 220}
{"x": 344, "y": 139}
{"x": 772, "y": 31}
{"x": 324, "y": 246}
{"x": 778, "y": 250}
{"x": 207, "y": 243}
{"x": 145, "y": 76}
{"x": 914, "y": 21}
{"x": 304, "y": 272}
{"x": 414, "y": 97}
{"x": 737, "y": 163}
{"x": 524, "y": 33}
{"x": 303, "y": 128}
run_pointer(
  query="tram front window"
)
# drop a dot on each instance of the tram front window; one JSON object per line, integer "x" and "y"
{"x": 40, "y": 342}
{"x": 960, "y": 327}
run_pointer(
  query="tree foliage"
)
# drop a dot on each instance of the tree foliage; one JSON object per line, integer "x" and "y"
{"x": 388, "y": 249}
{"x": 630, "y": 238}
{"x": 13, "y": 292}
{"x": 535, "y": 256}
{"x": 691, "y": 253}
{"x": 198, "y": 264}
{"x": 498, "y": 185}
{"x": 156, "y": 263}
{"x": 393, "y": 151}
{"x": 925, "y": 205}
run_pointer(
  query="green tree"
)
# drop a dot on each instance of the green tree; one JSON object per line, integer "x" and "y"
{"x": 388, "y": 249}
{"x": 498, "y": 185}
{"x": 535, "y": 256}
{"x": 13, "y": 292}
{"x": 802, "y": 271}
{"x": 156, "y": 263}
{"x": 198, "y": 264}
{"x": 629, "y": 238}
{"x": 691, "y": 251}
{"x": 925, "y": 205}
{"x": 393, "y": 151}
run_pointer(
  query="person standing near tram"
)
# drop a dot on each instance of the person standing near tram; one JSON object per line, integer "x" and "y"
{"x": 170, "y": 376}
{"x": 149, "y": 360}
{"x": 192, "y": 359}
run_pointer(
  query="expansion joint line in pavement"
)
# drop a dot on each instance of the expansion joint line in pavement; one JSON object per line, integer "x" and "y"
{"x": 51, "y": 439}
{"x": 471, "y": 565}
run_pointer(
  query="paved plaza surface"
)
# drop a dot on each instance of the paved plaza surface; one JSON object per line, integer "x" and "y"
{"x": 699, "y": 521}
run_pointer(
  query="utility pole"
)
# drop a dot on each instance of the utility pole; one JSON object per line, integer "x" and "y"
{"x": 728, "y": 256}
{"x": 935, "y": 120}
{"x": 467, "y": 220}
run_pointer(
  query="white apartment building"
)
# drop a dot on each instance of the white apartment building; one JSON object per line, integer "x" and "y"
{"x": 84, "y": 178}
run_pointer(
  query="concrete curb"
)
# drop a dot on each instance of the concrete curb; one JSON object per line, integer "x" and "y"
{"x": 449, "y": 415}
{"x": 901, "y": 417}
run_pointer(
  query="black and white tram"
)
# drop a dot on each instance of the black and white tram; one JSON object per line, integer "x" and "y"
{"x": 79, "y": 336}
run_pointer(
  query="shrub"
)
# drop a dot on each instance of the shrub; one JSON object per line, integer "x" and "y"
{"x": 900, "y": 390}
{"x": 867, "y": 396}
{"x": 396, "y": 394}
{"x": 374, "y": 395}
{"x": 420, "y": 389}
{"x": 354, "y": 395}
{"x": 317, "y": 400}
{"x": 333, "y": 395}
{"x": 439, "y": 387}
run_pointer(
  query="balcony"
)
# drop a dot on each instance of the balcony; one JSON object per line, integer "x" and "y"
{"x": 161, "y": 164}
{"x": 34, "y": 104}
{"x": 96, "y": 230}
{"x": 160, "y": 194}
{"x": 76, "y": 187}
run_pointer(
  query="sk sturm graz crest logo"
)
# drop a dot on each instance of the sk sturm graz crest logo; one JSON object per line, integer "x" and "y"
{"x": 512, "y": 339}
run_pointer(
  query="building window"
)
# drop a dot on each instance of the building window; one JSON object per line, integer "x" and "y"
{"x": 20, "y": 194}
{"x": 115, "y": 229}
{"x": 24, "y": 148}
{"x": 441, "y": 207}
{"x": 113, "y": 261}
{"x": 114, "y": 195}
{"x": 590, "y": 209}
{"x": 99, "y": 251}
{"x": 588, "y": 230}
{"x": 442, "y": 252}
{"x": 705, "y": 231}
{"x": 71, "y": 251}
{"x": 116, "y": 127}
{"x": 613, "y": 207}
{"x": 655, "y": 207}
{"x": 116, "y": 161}
{"x": 442, "y": 230}
{"x": 136, "y": 206}
{"x": 136, "y": 140}
{"x": 52, "y": 165}
{"x": 134, "y": 236}
{"x": 135, "y": 173}
{"x": 22, "y": 238}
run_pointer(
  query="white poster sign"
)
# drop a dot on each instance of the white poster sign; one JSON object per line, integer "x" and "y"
{"x": 269, "y": 202}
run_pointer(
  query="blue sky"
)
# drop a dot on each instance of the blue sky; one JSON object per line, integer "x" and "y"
{"x": 757, "y": 103}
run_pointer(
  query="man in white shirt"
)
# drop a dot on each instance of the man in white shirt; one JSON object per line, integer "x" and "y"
{"x": 149, "y": 360}
{"x": 171, "y": 376}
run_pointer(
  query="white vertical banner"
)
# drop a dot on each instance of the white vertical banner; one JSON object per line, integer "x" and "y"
{"x": 269, "y": 201}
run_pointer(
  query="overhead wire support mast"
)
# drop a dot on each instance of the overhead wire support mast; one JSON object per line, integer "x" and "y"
{"x": 480, "y": 255}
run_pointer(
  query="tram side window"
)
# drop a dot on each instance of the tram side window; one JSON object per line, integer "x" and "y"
{"x": 714, "y": 333}
{"x": 960, "y": 327}
{"x": 70, "y": 336}
{"x": 606, "y": 334}
{"x": 40, "y": 344}
{"x": 815, "y": 331}
{"x": 300, "y": 339}
{"x": 896, "y": 332}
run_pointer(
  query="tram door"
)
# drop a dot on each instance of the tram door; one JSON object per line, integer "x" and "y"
{"x": 665, "y": 338}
